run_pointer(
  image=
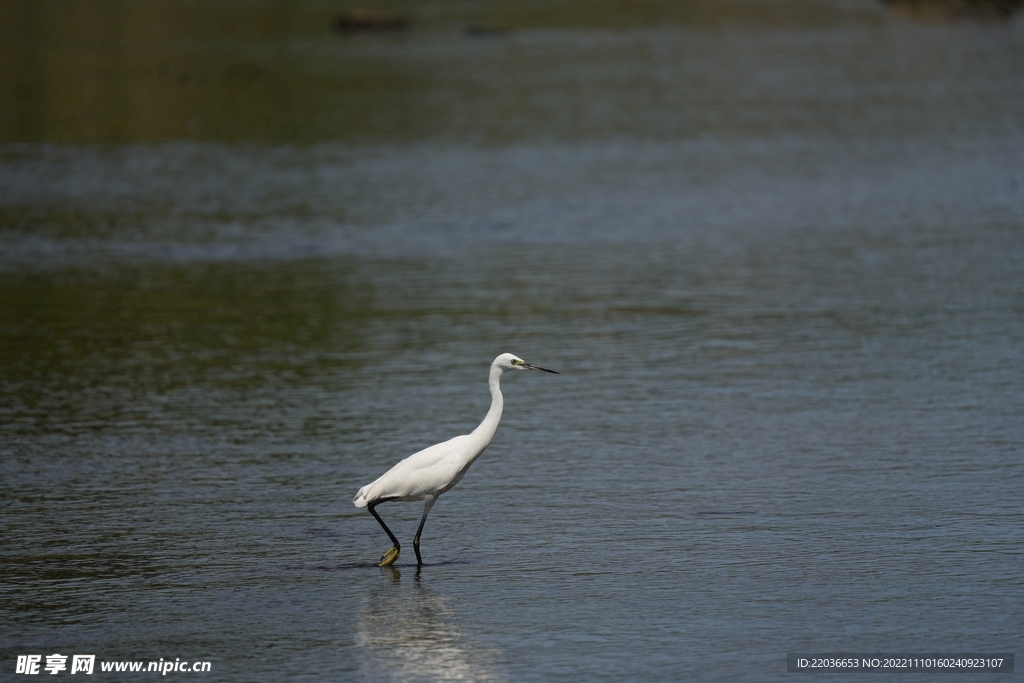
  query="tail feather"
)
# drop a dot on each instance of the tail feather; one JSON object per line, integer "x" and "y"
{"x": 362, "y": 497}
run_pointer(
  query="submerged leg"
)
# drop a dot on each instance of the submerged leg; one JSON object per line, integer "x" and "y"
{"x": 416, "y": 541}
{"x": 391, "y": 555}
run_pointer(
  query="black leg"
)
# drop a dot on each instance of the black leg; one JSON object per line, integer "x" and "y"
{"x": 373, "y": 512}
{"x": 416, "y": 540}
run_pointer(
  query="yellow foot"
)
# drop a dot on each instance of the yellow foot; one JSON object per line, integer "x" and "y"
{"x": 389, "y": 557}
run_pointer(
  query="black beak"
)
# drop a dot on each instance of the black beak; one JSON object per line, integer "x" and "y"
{"x": 537, "y": 367}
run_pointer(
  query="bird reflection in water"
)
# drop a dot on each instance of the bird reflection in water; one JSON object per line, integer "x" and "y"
{"x": 407, "y": 634}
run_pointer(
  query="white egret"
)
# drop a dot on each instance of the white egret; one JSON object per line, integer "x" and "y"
{"x": 429, "y": 473}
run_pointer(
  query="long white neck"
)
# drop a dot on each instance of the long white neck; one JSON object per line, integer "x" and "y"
{"x": 485, "y": 432}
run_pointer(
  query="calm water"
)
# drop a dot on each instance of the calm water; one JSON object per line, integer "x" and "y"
{"x": 776, "y": 250}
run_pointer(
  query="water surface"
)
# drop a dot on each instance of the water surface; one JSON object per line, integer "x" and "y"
{"x": 775, "y": 254}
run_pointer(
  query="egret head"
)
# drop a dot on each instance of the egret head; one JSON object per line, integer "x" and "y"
{"x": 507, "y": 361}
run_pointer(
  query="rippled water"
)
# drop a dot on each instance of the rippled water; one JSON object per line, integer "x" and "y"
{"x": 779, "y": 269}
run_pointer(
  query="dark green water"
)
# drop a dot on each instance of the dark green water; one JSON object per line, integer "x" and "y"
{"x": 775, "y": 249}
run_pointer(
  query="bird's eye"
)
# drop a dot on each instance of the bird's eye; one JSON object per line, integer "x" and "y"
{"x": 516, "y": 362}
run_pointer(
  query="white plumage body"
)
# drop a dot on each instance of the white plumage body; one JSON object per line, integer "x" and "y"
{"x": 431, "y": 471}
